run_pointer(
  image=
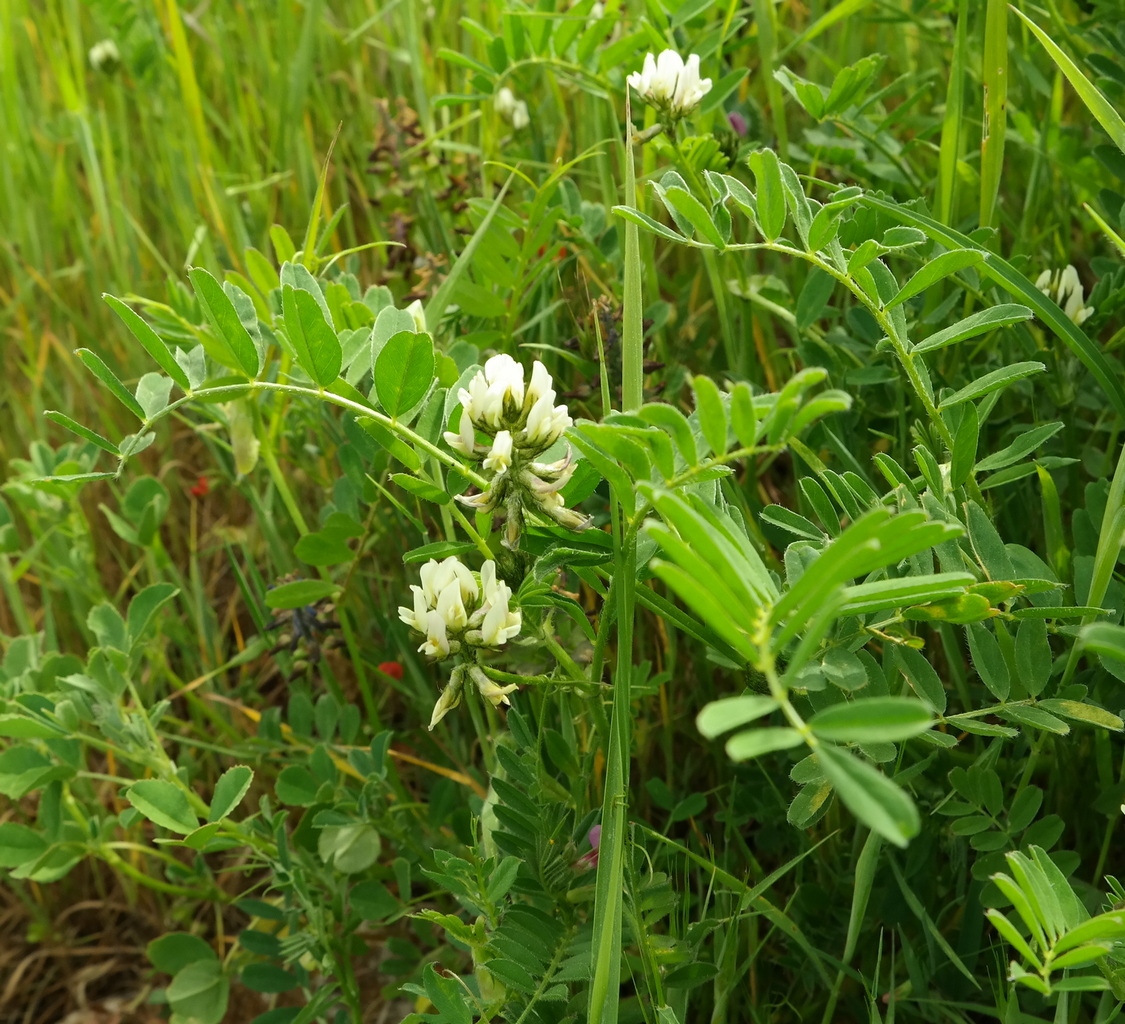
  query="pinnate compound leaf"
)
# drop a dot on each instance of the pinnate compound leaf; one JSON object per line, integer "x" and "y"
{"x": 873, "y": 798}
{"x": 872, "y": 720}
{"x": 404, "y": 371}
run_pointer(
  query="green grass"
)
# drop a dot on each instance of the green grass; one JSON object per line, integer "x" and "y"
{"x": 822, "y": 847}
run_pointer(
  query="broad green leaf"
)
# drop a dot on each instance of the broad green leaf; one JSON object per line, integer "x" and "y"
{"x": 1035, "y": 717}
{"x": 386, "y": 438}
{"x": 153, "y": 390}
{"x": 144, "y": 606}
{"x": 108, "y": 626}
{"x": 964, "y": 446}
{"x": 684, "y": 203}
{"x": 422, "y": 488}
{"x": 922, "y": 677}
{"x": 349, "y": 848}
{"x": 229, "y": 791}
{"x": 873, "y": 798}
{"x": 978, "y": 323}
{"x": 872, "y": 720}
{"x": 935, "y": 270}
{"x": 711, "y": 608}
{"x": 295, "y": 785}
{"x": 712, "y": 416}
{"x": 22, "y": 727}
{"x": 110, "y": 379}
{"x": 404, "y": 371}
{"x": 675, "y": 423}
{"x": 223, "y": 318}
{"x": 643, "y": 220}
{"x": 1033, "y": 655}
{"x": 989, "y": 661}
{"x": 992, "y": 382}
{"x": 729, "y": 713}
{"x": 314, "y": 341}
{"x": 1096, "y": 102}
{"x": 164, "y": 804}
{"x": 199, "y": 992}
{"x": 1089, "y": 714}
{"x": 744, "y": 415}
{"x": 299, "y": 593}
{"x": 1024, "y": 444}
{"x": 65, "y": 421}
{"x": 1012, "y": 934}
{"x": 756, "y": 742}
{"x": 791, "y": 522}
{"x": 268, "y": 978}
{"x": 19, "y": 844}
{"x": 172, "y": 952}
{"x": 153, "y": 344}
{"x": 771, "y": 193}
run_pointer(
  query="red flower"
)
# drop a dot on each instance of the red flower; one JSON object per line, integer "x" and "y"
{"x": 392, "y": 669}
{"x": 201, "y": 489}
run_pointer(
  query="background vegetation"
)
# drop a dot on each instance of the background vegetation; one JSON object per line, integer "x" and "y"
{"x": 352, "y": 850}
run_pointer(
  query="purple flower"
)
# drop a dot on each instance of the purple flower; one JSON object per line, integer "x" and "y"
{"x": 737, "y": 122}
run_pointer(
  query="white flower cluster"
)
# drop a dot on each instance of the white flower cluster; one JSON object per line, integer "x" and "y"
{"x": 1066, "y": 289}
{"x": 521, "y": 422}
{"x": 104, "y": 56}
{"x": 510, "y": 109}
{"x": 670, "y": 85}
{"x": 455, "y": 607}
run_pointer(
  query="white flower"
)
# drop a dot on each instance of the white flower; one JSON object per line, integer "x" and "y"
{"x": 500, "y": 622}
{"x": 490, "y": 691}
{"x": 436, "y": 576}
{"x": 546, "y": 423}
{"x": 465, "y": 441}
{"x": 499, "y": 457}
{"x": 669, "y": 84}
{"x": 450, "y": 697}
{"x": 105, "y": 56}
{"x": 436, "y": 644}
{"x": 453, "y": 606}
{"x": 1067, "y": 291}
{"x": 512, "y": 110}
